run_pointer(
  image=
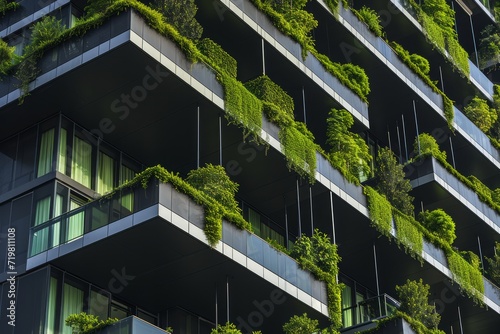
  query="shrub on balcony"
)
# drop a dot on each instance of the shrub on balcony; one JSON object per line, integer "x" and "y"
{"x": 83, "y": 323}
{"x": 480, "y": 113}
{"x": 266, "y": 90}
{"x": 220, "y": 58}
{"x": 301, "y": 325}
{"x": 467, "y": 274}
{"x": 371, "y": 18}
{"x": 414, "y": 298}
{"x": 489, "y": 47}
{"x": 5, "y": 6}
{"x": 426, "y": 144}
{"x": 494, "y": 264}
{"x": 349, "y": 153}
{"x": 180, "y": 14}
{"x": 440, "y": 223}
{"x": 380, "y": 211}
{"x": 409, "y": 235}
{"x": 6, "y": 55}
{"x": 391, "y": 181}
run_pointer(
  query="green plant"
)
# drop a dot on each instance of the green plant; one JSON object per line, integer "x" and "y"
{"x": 427, "y": 144}
{"x": 494, "y": 264}
{"x": 349, "y": 153}
{"x": 5, "y": 6}
{"x": 489, "y": 46}
{"x": 371, "y": 18}
{"x": 6, "y": 55}
{"x": 228, "y": 328}
{"x": 391, "y": 181}
{"x": 180, "y": 14}
{"x": 44, "y": 31}
{"x": 480, "y": 113}
{"x": 301, "y": 325}
{"x": 421, "y": 63}
{"x": 468, "y": 275}
{"x": 414, "y": 298}
{"x": 266, "y": 90}
{"x": 220, "y": 58}
{"x": 409, "y": 234}
{"x": 380, "y": 211}
{"x": 440, "y": 223}
{"x": 83, "y": 323}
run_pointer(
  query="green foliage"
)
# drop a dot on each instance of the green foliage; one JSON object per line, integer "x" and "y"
{"x": 489, "y": 46}
{"x": 480, "y": 113}
{"x": 301, "y": 325}
{"x": 242, "y": 107}
{"x": 5, "y": 6}
{"x": 408, "y": 234}
{"x": 180, "y": 14}
{"x": 220, "y": 58}
{"x": 44, "y": 31}
{"x": 350, "y": 75}
{"x": 318, "y": 255}
{"x": 349, "y": 153}
{"x": 371, "y": 18}
{"x": 416, "y": 325}
{"x": 84, "y": 323}
{"x": 428, "y": 145}
{"x": 414, "y": 298}
{"x": 449, "y": 114}
{"x": 391, "y": 181}
{"x": 442, "y": 14}
{"x": 300, "y": 149}
{"x": 266, "y": 90}
{"x": 421, "y": 63}
{"x": 291, "y": 20}
{"x": 467, "y": 275}
{"x": 440, "y": 223}
{"x": 380, "y": 211}
{"x": 228, "y": 328}
{"x": 6, "y": 56}
{"x": 417, "y": 63}
{"x": 494, "y": 264}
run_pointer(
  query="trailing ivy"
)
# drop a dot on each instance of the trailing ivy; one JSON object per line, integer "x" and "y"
{"x": 6, "y": 56}
{"x": 409, "y": 235}
{"x": 83, "y": 323}
{"x": 449, "y": 114}
{"x": 380, "y": 211}
{"x": 266, "y": 90}
{"x": 468, "y": 276}
{"x": 220, "y": 58}
{"x": 371, "y": 18}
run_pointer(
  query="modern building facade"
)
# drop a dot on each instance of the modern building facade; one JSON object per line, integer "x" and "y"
{"x": 107, "y": 103}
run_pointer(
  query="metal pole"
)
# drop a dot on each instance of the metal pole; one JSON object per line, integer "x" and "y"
{"x": 389, "y": 138}
{"x": 263, "y": 59}
{"x": 452, "y": 153}
{"x": 220, "y": 140}
{"x": 298, "y": 209}
{"x": 441, "y": 76}
{"x": 460, "y": 320}
{"x": 216, "y": 307}
{"x": 333, "y": 219}
{"x": 376, "y": 269}
{"x": 404, "y": 136}
{"x": 474, "y": 40}
{"x": 227, "y": 298}
{"x": 480, "y": 253}
{"x": 286, "y": 225}
{"x": 304, "y": 104}
{"x": 416, "y": 124}
{"x": 311, "y": 207}
{"x": 399, "y": 143}
{"x": 198, "y": 138}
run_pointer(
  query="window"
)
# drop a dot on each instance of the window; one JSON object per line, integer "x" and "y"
{"x": 61, "y": 162}
{"x": 119, "y": 310}
{"x": 39, "y": 242}
{"x": 99, "y": 304}
{"x": 127, "y": 200}
{"x": 105, "y": 175}
{"x": 81, "y": 163}
{"x": 72, "y": 303}
{"x": 46, "y": 153}
{"x": 75, "y": 225}
{"x": 347, "y": 306}
{"x": 51, "y": 307}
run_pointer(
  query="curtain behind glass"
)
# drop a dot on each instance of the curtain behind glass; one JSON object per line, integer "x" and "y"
{"x": 61, "y": 162}
{"x": 127, "y": 174}
{"x": 75, "y": 222}
{"x": 39, "y": 242}
{"x": 105, "y": 177}
{"x": 51, "y": 307}
{"x": 72, "y": 304}
{"x": 254, "y": 219}
{"x": 46, "y": 154}
{"x": 81, "y": 163}
{"x": 346, "y": 304}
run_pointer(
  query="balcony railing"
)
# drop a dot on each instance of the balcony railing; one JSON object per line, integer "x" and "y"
{"x": 131, "y": 325}
{"x": 368, "y": 310}
{"x": 74, "y": 224}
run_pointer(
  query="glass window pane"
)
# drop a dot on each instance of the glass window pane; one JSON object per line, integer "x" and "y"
{"x": 51, "y": 307}
{"x": 81, "y": 163}
{"x": 61, "y": 162}
{"x": 105, "y": 177}
{"x": 39, "y": 241}
{"x": 75, "y": 221}
{"x": 254, "y": 219}
{"x": 99, "y": 304}
{"x": 7, "y": 158}
{"x": 72, "y": 304}
{"x": 346, "y": 306}
{"x": 46, "y": 153}
{"x": 25, "y": 158}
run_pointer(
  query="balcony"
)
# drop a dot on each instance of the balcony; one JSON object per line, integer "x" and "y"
{"x": 131, "y": 325}
{"x": 361, "y": 316}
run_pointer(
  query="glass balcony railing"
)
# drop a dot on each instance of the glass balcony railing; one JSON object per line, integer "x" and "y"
{"x": 74, "y": 224}
{"x": 368, "y": 310}
{"x": 131, "y": 325}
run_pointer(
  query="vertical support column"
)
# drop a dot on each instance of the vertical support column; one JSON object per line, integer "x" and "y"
{"x": 227, "y": 298}
{"x": 416, "y": 124}
{"x": 452, "y": 153}
{"x": 263, "y": 58}
{"x": 389, "y": 138}
{"x": 404, "y": 136}
{"x": 216, "y": 307}
{"x": 399, "y": 143}
{"x": 376, "y": 268}
{"x": 311, "y": 207}
{"x": 220, "y": 140}
{"x": 460, "y": 320}
{"x": 286, "y": 225}
{"x": 304, "y": 104}
{"x": 480, "y": 253}
{"x": 198, "y": 137}
{"x": 298, "y": 209}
